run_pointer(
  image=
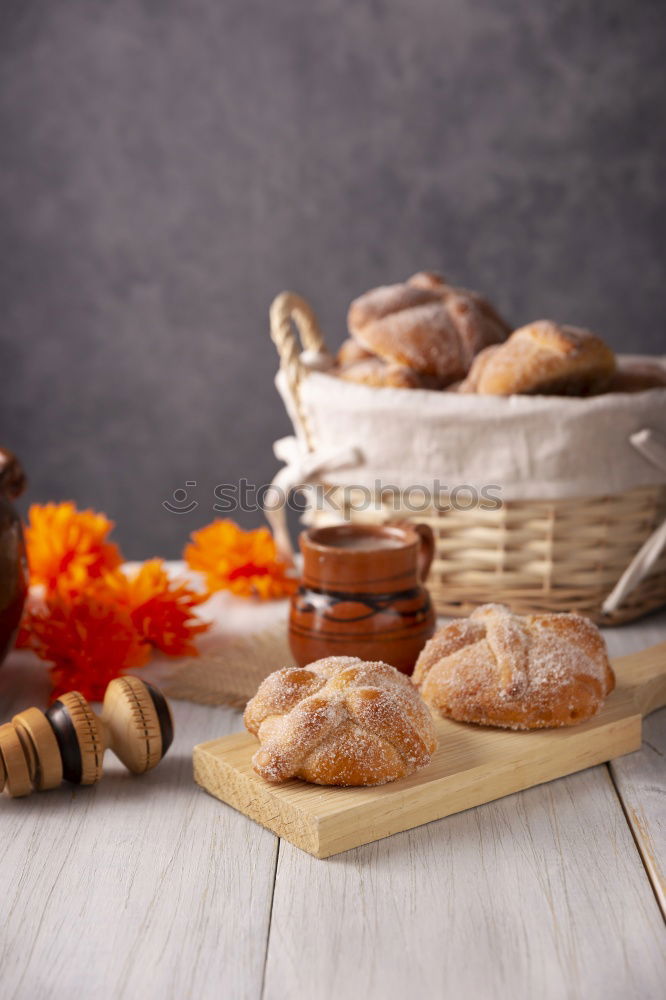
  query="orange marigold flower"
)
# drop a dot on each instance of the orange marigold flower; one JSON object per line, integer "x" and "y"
{"x": 67, "y": 547}
{"x": 244, "y": 562}
{"x": 89, "y": 638}
{"x": 161, "y": 608}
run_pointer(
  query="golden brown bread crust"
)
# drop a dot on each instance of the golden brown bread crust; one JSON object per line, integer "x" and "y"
{"x": 543, "y": 358}
{"x": 385, "y": 300}
{"x": 428, "y": 279}
{"x": 433, "y": 280}
{"x": 531, "y": 672}
{"x": 350, "y": 352}
{"x": 340, "y": 721}
{"x": 481, "y": 361}
{"x": 426, "y": 325}
{"x": 421, "y": 337}
{"x": 380, "y": 374}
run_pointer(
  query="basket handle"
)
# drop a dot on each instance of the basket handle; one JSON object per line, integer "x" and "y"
{"x": 291, "y": 314}
{"x": 652, "y": 446}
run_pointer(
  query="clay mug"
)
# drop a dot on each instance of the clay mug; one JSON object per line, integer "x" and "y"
{"x": 13, "y": 563}
{"x": 362, "y": 594}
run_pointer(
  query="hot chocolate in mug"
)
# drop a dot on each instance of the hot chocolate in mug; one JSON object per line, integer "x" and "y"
{"x": 362, "y": 594}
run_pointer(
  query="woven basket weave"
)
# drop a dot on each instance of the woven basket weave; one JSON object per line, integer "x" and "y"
{"x": 533, "y": 555}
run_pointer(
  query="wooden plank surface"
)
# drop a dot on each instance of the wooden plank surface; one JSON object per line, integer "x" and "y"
{"x": 151, "y": 888}
{"x": 539, "y": 895}
{"x": 640, "y": 778}
{"x": 138, "y": 887}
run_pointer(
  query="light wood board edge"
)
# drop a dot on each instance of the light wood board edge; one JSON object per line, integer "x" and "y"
{"x": 254, "y": 799}
{"x": 322, "y": 826}
{"x": 374, "y": 817}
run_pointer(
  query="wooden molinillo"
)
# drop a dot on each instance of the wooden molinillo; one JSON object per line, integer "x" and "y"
{"x": 472, "y": 765}
{"x": 39, "y": 749}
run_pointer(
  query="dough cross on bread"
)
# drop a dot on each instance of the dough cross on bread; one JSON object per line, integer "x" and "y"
{"x": 519, "y": 672}
{"x": 340, "y": 721}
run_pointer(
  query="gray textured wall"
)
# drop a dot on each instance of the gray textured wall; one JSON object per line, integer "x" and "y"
{"x": 167, "y": 166}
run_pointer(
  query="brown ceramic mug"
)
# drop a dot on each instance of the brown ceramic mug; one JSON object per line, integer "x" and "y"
{"x": 362, "y": 594}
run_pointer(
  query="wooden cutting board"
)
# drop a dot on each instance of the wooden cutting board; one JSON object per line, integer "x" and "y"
{"x": 472, "y": 765}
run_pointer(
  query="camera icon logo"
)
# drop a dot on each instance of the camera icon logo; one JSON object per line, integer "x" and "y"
{"x": 180, "y": 503}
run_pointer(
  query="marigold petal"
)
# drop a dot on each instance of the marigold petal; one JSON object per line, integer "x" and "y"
{"x": 87, "y": 638}
{"x": 68, "y": 545}
{"x": 244, "y": 562}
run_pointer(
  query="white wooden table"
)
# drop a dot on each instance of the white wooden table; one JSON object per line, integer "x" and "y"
{"x": 148, "y": 888}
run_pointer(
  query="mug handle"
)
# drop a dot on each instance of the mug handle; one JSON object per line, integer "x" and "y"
{"x": 427, "y": 552}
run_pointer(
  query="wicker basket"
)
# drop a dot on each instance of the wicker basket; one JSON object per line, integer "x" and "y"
{"x": 533, "y": 555}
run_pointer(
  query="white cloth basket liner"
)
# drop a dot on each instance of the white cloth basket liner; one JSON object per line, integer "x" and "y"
{"x": 531, "y": 447}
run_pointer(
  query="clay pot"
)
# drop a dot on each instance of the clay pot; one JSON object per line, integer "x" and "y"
{"x": 362, "y": 594}
{"x": 13, "y": 562}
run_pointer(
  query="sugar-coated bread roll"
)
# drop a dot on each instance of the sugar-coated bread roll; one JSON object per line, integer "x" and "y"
{"x": 518, "y": 672}
{"x": 543, "y": 358}
{"x": 340, "y": 721}
{"x": 426, "y": 325}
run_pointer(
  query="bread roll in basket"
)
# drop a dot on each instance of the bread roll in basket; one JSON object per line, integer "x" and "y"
{"x": 542, "y": 503}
